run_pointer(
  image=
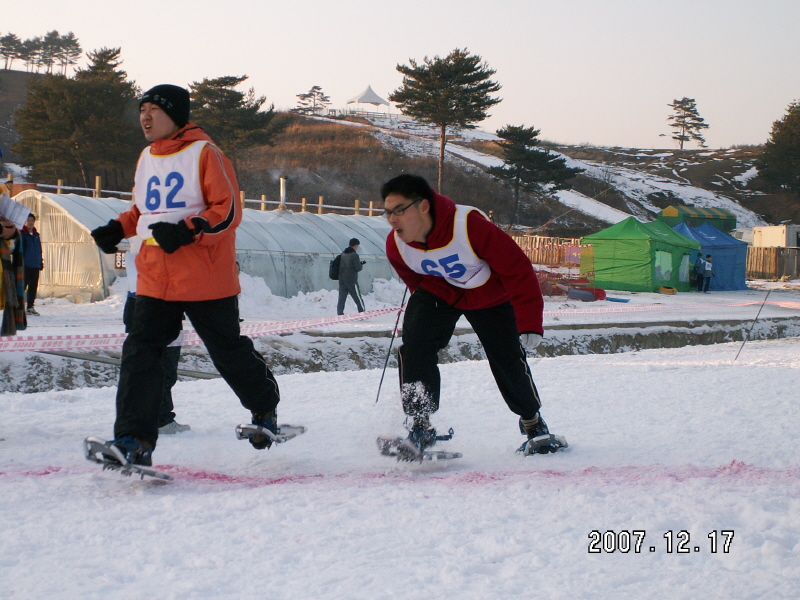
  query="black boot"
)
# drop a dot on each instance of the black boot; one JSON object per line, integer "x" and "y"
{"x": 539, "y": 439}
{"x": 269, "y": 422}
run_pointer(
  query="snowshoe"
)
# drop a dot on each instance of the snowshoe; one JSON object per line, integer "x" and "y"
{"x": 540, "y": 440}
{"x": 262, "y": 436}
{"x": 125, "y": 455}
{"x": 415, "y": 446}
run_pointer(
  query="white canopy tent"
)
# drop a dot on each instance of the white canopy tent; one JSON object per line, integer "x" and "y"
{"x": 291, "y": 251}
{"x": 368, "y": 96}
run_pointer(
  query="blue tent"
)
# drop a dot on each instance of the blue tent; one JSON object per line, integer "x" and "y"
{"x": 728, "y": 255}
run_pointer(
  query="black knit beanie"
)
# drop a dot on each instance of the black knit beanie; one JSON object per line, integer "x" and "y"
{"x": 172, "y": 99}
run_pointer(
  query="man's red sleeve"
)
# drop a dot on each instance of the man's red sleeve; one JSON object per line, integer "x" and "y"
{"x": 512, "y": 267}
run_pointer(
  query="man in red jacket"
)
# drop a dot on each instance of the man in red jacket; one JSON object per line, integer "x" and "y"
{"x": 456, "y": 262}
{"x": 186, "y": 210}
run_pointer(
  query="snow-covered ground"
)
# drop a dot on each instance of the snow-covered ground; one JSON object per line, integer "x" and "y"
{"x": 680, "y": 445}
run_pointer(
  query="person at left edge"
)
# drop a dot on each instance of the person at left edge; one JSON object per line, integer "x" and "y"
{"x": 32, "y": 251}
{"x": 186, "y": 209}
{"x": 12, "y": 279}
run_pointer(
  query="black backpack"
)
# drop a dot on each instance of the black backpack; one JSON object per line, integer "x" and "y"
{"x": 333, "y": 268}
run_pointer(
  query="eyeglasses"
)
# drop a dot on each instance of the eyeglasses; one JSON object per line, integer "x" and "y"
{"x": 398, "y": 211}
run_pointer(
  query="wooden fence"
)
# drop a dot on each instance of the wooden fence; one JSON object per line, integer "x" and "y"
{"x": 543, "y": 250}
{"x": 358, "y": 208}
{"x": 773, "y": 263}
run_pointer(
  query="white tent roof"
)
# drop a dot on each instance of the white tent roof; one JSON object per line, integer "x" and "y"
{"x": 75, "y": 267}
{"x": 368, "y": 97}
{"x": 290, "y": 250}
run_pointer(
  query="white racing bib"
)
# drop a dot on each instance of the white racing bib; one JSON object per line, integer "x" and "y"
{"x": 168, "y": 187}
{"x": 456, "y": 262}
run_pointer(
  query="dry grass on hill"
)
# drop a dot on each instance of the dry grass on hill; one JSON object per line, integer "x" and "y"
{"x": 343, "y": 163}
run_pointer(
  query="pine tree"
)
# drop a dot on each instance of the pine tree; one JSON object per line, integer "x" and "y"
{"x": 233, "y": 119}
{"x": 74, "y": 129}
{"x": 50, "y": 51}
{"x": 447, "y": 92}
{"x": 779, "y": 165}
{"x": 31, "y": 53}
{"x": 312, "y": 102}
{"x": 69, "y": 51}
{"x": 10, "y": 49}
{"x": 104, "y": 65}
{"x": 527, "y": 168}
{"x": 51, "y": 46}
{"x": 687, "y": 124}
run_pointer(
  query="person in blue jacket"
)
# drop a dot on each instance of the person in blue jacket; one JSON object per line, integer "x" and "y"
{"x": 32, "y": 254}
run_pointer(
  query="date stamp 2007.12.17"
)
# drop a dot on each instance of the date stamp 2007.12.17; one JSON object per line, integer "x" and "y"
{"x": 637, "y": 541}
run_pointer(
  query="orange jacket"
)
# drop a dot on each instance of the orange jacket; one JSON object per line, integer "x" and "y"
{"x": 206, "y": 268}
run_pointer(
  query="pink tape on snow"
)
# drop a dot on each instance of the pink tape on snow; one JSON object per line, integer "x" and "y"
{"x": 106, "y": 341}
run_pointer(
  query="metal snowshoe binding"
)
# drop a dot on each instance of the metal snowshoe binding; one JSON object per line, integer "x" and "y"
{"x": 540, "y": 440}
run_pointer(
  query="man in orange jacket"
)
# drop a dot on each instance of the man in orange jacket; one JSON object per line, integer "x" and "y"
{"x": 186, "y": 210}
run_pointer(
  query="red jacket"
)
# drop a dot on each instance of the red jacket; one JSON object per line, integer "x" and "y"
{"x": 513, "y": 277}
{"x": 206, "y": 268}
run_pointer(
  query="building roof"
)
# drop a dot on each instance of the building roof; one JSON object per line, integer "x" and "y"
{"x": 697, "y": 212}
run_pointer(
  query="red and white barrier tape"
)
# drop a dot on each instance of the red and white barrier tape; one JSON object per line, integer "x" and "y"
{"x": 188, "y": 337}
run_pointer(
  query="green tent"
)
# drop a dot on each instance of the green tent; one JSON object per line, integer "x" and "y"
{"x": 638, "y": 257}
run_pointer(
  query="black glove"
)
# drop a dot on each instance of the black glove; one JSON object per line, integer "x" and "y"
{"x": 108, "y": 236}
{"x": 363, "y": 262}
{"x": 171, "y": 236}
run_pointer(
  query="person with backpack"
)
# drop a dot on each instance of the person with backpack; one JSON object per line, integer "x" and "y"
{"x": 349, "y": 267}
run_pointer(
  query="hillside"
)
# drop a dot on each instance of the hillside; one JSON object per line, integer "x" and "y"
{"x": 642, "y": 182}
{"x": 345, "y": 159}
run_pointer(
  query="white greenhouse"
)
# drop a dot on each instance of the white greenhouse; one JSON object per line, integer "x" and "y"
{"x": 291, "y": 251}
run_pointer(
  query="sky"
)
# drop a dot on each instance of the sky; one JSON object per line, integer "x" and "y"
{"x": 598, "y": 72}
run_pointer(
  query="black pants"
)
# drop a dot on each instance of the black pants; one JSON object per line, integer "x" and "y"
{"x": 355, "y": 293}
{"x": 155, "y": 324}
{"x": 169, "y": 362}
{"x": 427, "y": 328}
{"x": 31, "y": 284}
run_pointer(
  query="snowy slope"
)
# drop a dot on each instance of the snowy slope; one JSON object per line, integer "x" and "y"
{"x": 637, "y": 185}
{"x": 420, "y": 140}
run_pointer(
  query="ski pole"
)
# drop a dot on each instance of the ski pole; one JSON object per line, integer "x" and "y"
{"x": 389, "y": 353}
{"x": 747, "y": 334}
